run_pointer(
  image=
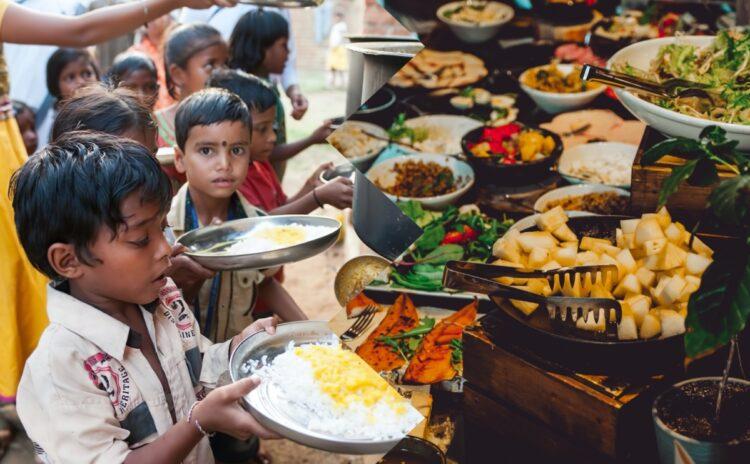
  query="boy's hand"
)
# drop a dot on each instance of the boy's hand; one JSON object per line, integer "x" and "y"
{"x": 220, "y": 411}
{"x": 314, "y": 180}
{"x": 267, "y": 323}
{"x": 337, "y": 193}
{"x": 320, "y": 134}
{"x": 299, "y": 102}
{"x": 186, "y": 273}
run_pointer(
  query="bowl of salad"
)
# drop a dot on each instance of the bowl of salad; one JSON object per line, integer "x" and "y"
{"x": 512, "y": 154}
{"x": 722, "y": 62}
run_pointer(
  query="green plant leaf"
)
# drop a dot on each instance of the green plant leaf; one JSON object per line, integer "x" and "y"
{"x": 719, "y": 309}
{"x": 411, "y": 208}
{"x": 730, "y": 201}
{"x": 672, "y": 183}
{"x": 680, "y": 146}
{"x": 431, "y": 238}
{"x": 713, "y": 133}
{"x": 443, "y": 254}
{"x": 705, "y": 173}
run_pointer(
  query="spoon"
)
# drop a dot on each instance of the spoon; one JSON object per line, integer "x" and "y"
{"x": 670, "y": 88}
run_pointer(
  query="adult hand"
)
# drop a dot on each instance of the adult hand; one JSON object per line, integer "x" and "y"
{"x": 186, "y": 273}
{"x": 299, "y": 102}
{"x": 337, "y": 193}
{"x": 220, "y": 411}
{"x": 203, "y": 4}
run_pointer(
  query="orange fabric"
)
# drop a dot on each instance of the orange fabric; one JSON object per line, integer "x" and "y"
{"x": 23, "y": 300}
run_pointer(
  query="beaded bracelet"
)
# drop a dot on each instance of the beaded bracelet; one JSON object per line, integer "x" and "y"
{"x": 195, "y": 422}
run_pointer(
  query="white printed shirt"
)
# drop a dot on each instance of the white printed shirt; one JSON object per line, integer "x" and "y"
{"x": 89, "y": 395}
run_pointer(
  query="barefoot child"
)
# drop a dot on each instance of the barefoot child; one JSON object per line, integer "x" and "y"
{"x": 262, "y": 187}
{"x": 118, "y": 373}
{"x": 212, "y": 128}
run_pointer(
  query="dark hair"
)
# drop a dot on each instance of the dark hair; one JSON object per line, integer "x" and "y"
{"x": 98, "y": 108}
{"x": 255, "y": 31}
{"x": 255, "y": 92}
{"x": 126, "y": 63}
{"x": 61, "y": 58}
{"x": 183, "y": 42}
{"x": 209, "y": 106}
{"x": 19, "y": 107}
{"x": 76, "y": 185}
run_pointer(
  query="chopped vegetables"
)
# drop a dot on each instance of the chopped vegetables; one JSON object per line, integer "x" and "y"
{"x": 550, "y": 79}
{"x": 512, "y": 144}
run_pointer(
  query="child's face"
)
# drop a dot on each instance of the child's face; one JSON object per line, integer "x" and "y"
{"x": 215, "y": 158}
{"x": 27, "y": 125}
{"x": 276, "y": 56}
{"x": 264, "y": 135}
{"x": 199, "y": 68}
{"x": 144, "y": 136}
{"x": 75, "y": 75}
{"x": 144, "y": 83}
{"x": 129, "y": 267}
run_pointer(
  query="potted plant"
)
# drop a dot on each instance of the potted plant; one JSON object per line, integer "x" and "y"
{"x": 707, "y": 419}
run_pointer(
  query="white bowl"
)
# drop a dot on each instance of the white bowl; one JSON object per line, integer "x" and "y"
{"x": 383, "y": 172}
{"x": 475, "y": 33}
{"x": 669, "y": 122}
{"x": 530, "y": 221}
{"x": 453, "y": 128}
{"x": 575, "y": 191}
{"x": 364, "y": 162}
{"x": 612, "y": 152}
{"x": 555, "y": 102}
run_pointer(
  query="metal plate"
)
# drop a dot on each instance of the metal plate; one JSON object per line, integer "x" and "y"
{"x": 284, "y": 3}
{"x": 232, "y": 231}
{"x": 263, "y": 402}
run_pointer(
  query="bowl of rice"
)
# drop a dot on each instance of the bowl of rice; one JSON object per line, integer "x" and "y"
{"x": 260, "y": 242}
{"x": 320, "y": 394}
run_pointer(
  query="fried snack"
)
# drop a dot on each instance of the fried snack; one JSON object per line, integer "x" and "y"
{"x": 432, "y": 361}
{"x": 402, "y": 316}
{"x": 433, "y": 69}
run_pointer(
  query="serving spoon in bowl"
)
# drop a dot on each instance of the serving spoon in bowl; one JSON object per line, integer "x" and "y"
{"x": 670, "y": 88}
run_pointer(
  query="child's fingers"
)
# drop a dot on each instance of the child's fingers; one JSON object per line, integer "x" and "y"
{"x": 177, "y": 249}
{"x": 199, "y": 271}
{"x": 216, "y": 221}
{"x": 268, "y": 324}
{"x": 234, "y": 392}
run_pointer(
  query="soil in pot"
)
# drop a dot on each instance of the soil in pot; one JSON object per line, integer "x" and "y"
{"x": 689, "y": 410}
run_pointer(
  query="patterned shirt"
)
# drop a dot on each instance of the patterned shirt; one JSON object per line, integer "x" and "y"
{"x": 88, "y": 394}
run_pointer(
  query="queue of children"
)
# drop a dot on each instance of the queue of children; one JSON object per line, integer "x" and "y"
{"x": 139, "y": 333}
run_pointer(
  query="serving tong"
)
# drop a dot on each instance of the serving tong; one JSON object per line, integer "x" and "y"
{"x": 669, "y": 88}
{"x": 477, "y": 278}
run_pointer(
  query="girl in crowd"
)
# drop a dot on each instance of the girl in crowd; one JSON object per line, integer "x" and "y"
{"x": 68, "y": 69}
{"x": 259, "y": 46}
{"x": 153, "y": 35}
{"x": 135, "y": 71}
{"x": 26, "y": 120}
{"x": 191, "y": 53}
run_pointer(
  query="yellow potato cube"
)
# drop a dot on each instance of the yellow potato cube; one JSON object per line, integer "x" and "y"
{"x": 696, "y": 264}
{"x": 672, "y": 323}
{"x": 564, "y": 234}
{"x": 674, "y": 234}
{"x": 639, "y": 305}
{"x": 654, "y": 247}
{"x": 524, "y": 306}
{"x": 538, "y": 258}
{"x": 645, "y": 276}
{"x": 565, "y": 256}
{"x": 628, "y": 226}
{"x": 552, "y": 219}
{"x": 651, "y": 326}
{"x": 588, "y": 243}
{"x": 539, "y": 239}
{"x": 627, "y": 329}
{"x": 663, "y": 217}
{"x": 625, "y": 258}
{"x": 648, "y": 229}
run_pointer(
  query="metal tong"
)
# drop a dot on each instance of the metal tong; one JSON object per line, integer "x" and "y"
{"x": 669, "y": 88}
{"x": 477, "y": 278}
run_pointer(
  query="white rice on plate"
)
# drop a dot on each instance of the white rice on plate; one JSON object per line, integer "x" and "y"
{"x": 268, "y": 237}
{"x": 332, "y": 391}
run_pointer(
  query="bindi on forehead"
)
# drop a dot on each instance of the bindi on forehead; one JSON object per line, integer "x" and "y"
{"x": 224, "y": 143}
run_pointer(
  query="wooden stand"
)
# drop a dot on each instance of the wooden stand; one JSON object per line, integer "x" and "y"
{"x": 541, "y": 411}
{"x": 687, "y": 202}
